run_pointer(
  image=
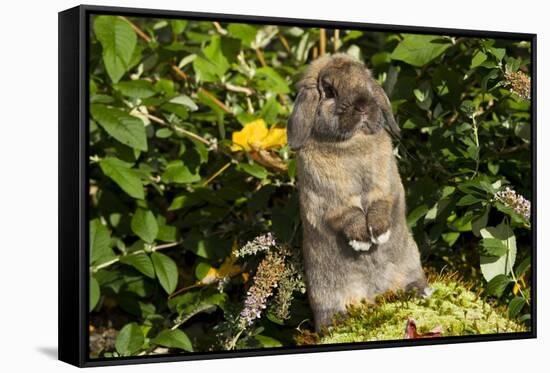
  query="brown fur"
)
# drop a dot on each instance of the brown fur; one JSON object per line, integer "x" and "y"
{"x": 350, "y": 189}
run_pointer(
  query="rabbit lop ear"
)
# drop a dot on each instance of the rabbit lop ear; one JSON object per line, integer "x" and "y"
{"x": 384, "y": 104}
{"x": 301, "y": 120}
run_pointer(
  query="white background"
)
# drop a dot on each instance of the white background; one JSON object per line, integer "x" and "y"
{"x": 28, "y": 184}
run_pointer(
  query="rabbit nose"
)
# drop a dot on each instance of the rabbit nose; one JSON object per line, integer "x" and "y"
{"x": 361, "y": 105}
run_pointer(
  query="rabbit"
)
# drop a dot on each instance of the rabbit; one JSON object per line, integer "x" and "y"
{"x": 356, "y": 242}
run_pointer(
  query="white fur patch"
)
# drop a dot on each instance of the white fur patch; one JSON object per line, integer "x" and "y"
{"x": 383, "y": 238}
{"x": 427, "y": 293}
{"x": 360, "y": 245}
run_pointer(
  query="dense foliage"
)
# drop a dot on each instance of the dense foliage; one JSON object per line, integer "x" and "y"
{"x": 189, "y": 162}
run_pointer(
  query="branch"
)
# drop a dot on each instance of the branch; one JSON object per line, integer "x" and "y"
{"x": 218, "y": 173}
{"x": 513, "y": 149}
{"x": 117, "y": 259}
{"x": 219, "y": 28}
{"x": 235, "y": 88}
{"x": 284, "y": 42}
{"x": 138, "y": 31}
{"x": 336, "y": 40}
{"x": 322, "y": 41}
{"x": 216, "y": 101}
{"x": 260, "y": 56}
{"x": 178, "y": 129}
{"x": 179, "y": 72}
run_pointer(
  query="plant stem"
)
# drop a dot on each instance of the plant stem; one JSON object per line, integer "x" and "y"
{"x": 234, "y": 340}
{"x": 476, "y": 139}
{"x": 336, "y": 40}
{"x": 260, "y": 56}
{"x": 94, "y": 269}
{"x": 178, "y": 129}
{"x": 179, "y": 72}
{"x": 284, "y": 42}
{"x": 217, "y": 174}
{"x": 219, "y": 28}
{"x": 235, "y": 88}
{"x": 138, "y": 31}
{"x": 322, "y": 41}
{"x": 216, "y": 101}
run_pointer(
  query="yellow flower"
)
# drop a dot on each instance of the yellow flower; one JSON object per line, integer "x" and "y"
{"x": 256, "y": 136}
{"x": 520, "y": 284}
{"x": 227, "y": 269}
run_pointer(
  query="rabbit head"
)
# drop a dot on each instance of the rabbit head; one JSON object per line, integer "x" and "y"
{"x": 338, "y": 97}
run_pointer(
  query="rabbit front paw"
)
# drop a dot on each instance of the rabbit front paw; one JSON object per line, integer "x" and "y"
{"x": 380, "y": 238}
{"x": 378, "y": 222}
{"x": 360, "y": 245}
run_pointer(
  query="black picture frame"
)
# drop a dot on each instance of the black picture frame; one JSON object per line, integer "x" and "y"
{"x": 73, "y": 183}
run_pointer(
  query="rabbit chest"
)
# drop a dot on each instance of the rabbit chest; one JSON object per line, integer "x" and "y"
{"x": 339, "y": 175}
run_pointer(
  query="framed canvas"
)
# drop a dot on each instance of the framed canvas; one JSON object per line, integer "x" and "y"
{"x": 233, "y": 186}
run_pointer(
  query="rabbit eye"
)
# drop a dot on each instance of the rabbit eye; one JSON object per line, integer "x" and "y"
{"x": 329, "y": 91}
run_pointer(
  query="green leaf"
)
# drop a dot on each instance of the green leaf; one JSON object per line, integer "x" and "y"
{"x": 499, "y": 53}
{"x": 492, "y": 75}
{"x": 270, "y": 110}
{"x": 166, "y": 270}
{"x": 494, "y": 246}
{"x": 478, "y": 59}
{"x": 178, "y": 25}
{"x": 173, "y": 339}
{"x": 497, "y": 285}
{"x": 462, "y": 223}
{"x": 450, "y": 237}
{"x": 468, "y": 107}
{"x": 94, "y": 293}
{"x": 184, "y": 201}
{"x": 129, "y": 340}
{"x": 522, "y": 267}
{"x": 177, "y": 172}
{"x": 123, "y": 174}
{"x": 253, "y": 169}
{"x": 268, "y": 342}
{"x": 163, "y": 133}
{"x": 141, "y": 262}
{"x": 480, "y": 222}
{"x": 185, "y": 101}
{"x": 515, "y": 306}
{"x": 135, "y": 88}
{"x": 207, "y": 247}
{"x": 118, "y": 41}
{"x": 124, "y": 127}
{"x": 468, "y": 200}
{"x": 419, "y": 50}
{"x": 269, "y": 80}
{"x": 201, "y": 270}
{"x": 193, "y": 303}
{"x": 145, "y": 225}
{"x": 213, "y": 64}
{"x": 100, "y": 242}
{"x": 416, "y": 214}
{"x": 492, "y": 266}
{"x": 167, "y": 233}
{"x": 244, "y": 32}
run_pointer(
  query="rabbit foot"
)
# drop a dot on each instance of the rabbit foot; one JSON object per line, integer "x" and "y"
{"x": 380, "y": 239}
{"x": 360, "y": 245}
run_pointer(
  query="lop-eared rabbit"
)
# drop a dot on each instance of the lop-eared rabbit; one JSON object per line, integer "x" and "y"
{"x": 356, "y": 243}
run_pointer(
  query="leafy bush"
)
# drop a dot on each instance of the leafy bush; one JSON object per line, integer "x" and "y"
{"x": 188, "y": 162}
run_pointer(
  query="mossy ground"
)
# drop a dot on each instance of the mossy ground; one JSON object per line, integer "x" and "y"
{"x": 453, "y": 307}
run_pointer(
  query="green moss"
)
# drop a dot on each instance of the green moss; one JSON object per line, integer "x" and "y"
{"x": 452, "y": 307}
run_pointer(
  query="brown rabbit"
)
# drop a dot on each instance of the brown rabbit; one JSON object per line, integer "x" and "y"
{"x": 356, "y": 243}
